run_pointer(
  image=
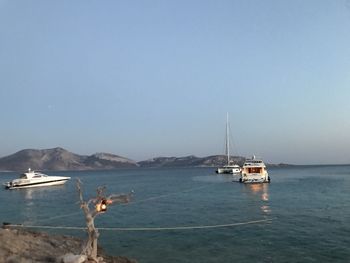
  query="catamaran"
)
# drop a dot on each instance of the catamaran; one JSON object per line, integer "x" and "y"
{"x": 230, "y": 167}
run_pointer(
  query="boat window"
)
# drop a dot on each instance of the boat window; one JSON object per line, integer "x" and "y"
{"x": 254, "y": 169}
{"x": 37, "y": 176}
{"x": 23, "y": 176}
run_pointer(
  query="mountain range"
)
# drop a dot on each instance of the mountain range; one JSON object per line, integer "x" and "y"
{"x": 59, "y": 159}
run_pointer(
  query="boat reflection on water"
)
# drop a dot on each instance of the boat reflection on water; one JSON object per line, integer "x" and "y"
{"x": 37, "y": 203}
{"x": 261, "y": 190}
{"x": 30, "y": 194}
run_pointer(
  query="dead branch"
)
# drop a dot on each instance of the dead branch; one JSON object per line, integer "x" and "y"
{"x": 101, "y": 202}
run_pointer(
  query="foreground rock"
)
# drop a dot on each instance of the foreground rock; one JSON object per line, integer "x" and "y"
{"x": 22, "y": 246}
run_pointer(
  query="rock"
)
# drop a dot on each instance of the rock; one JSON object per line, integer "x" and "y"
{"x": 24, "y": 246}
{"x": 17, "y": 259}
{"x": 70, "y": 258}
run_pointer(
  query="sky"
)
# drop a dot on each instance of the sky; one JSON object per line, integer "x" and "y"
{"x": 143, "y": 79}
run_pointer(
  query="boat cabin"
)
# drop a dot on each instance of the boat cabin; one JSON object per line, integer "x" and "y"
{"x": 255, "y": 170}
{"x": 32, "y": 174}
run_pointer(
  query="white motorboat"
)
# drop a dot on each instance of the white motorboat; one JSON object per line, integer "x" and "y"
{"x": 254, "y": 171}
{"x": 35, "y": 179}
{"x": 229, "y": 168}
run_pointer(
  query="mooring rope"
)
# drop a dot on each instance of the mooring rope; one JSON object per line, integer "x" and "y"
{"x": 166, "y": 195}
{"x": 131, "y": 203}
{"x": 144, "y": 228}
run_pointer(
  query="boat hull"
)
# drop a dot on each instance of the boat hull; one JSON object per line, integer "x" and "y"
{"x": 224, "y": 171}
{"x": 255, "y": 178}
{"x": 255, "y": 181}
{"x": 36, "y": 184}
{"x": 228, "y": 170}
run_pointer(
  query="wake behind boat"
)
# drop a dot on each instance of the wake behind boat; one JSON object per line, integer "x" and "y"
{"x": 35, "y": 179}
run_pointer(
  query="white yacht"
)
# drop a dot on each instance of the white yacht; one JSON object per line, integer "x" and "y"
{"x": 229, "y": 168}
{"x": 35, "y": 179}
{"x": 254, "y": 171}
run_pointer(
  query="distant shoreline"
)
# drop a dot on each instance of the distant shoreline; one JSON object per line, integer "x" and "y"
{"x": 59, "y": 159}
{"x": 184, "y": 167}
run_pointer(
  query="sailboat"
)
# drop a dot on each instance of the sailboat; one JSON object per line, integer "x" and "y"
{"x": 229, "y": 168}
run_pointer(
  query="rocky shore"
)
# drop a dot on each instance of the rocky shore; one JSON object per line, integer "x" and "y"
{"x": 24, "y": 246}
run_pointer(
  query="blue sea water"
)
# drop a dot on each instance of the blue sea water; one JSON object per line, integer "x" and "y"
{"x": 309, "y": 208}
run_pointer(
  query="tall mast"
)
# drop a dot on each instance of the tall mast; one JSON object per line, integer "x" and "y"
{"x": 227, "y": 141}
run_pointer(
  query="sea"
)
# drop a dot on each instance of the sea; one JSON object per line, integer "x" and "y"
{"x": 194, "y": 215}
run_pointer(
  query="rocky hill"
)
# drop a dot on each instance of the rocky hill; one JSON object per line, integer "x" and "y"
{"x": 108, "y": 161}
{"x": 209, "y": 161}
{"x": 60, "y": 159}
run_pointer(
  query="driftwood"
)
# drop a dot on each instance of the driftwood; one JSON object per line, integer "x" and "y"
{"x": 100, "y": 203}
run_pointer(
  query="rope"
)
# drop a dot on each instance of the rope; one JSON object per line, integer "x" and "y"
{"x": 146, "y": 228}
{"x": 131, "y": 203}
{"x": 60, "y": 216}
{"x": 166, "y": 195}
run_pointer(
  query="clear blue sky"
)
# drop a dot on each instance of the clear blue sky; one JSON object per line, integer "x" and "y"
{"x": 155, "y": 78}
